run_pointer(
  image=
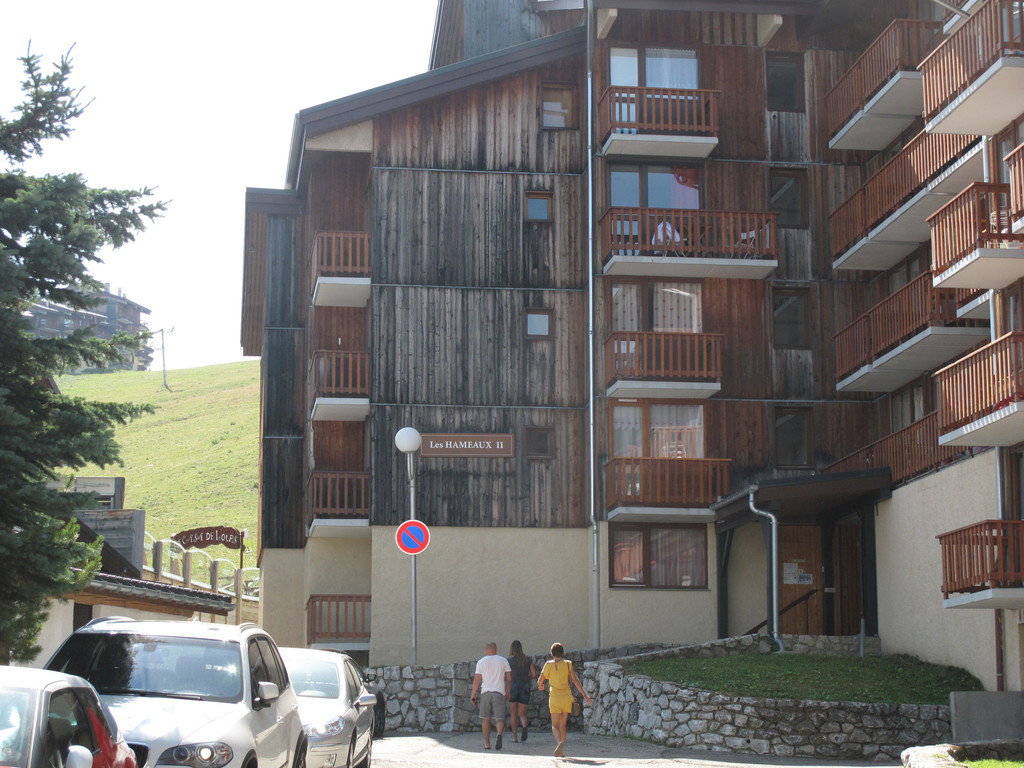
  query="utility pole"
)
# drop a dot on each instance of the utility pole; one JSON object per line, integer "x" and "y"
{"x": 163, "y": 354}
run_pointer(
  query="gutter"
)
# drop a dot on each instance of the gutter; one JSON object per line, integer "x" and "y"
{"x": 775, "y": 565}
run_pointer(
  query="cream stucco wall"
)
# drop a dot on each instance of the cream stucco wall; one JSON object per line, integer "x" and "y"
{"x": 476, "y": 585}
{"x": 283, "y": 595}
{"x": 338, "y": 566}
{"x": 748, "y": 579}
{"x": 911, "y": 618}
{"x": 657, "y": 616}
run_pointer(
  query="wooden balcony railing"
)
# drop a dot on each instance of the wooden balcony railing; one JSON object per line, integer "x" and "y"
{"x": 342, "y": 254}
{"x": 895, "y": 319}
{"x": 985, "y": 555}
{"x": 899, "y": 48}
{"x": 982, "y": 382}
{"x": 908, "y": 452}
{"x": 337, "y": 617}
{"x": 666, "y": 111}
{"x": 708, "y": 234}
{"x": 979, "y": 217}
{"x": 339, "y": 373}
{"x": 1015, "y": 163}
{"x": 919, "y": 163}
{"x": 647, "y": 355}
{"x": 665, "y": 482}
{"x": 331, "y": 495}
{"x": 993, "y": 31}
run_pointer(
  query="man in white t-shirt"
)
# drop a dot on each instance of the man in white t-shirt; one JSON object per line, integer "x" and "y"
{"x": 492, "y": 684}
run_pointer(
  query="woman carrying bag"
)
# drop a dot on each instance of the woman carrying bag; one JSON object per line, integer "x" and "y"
{"x": 561, "y": 703}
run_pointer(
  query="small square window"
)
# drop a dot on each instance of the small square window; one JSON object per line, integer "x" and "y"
{"x": 789, "y": 319}
{"x": 784, "y": 86}
{"x": 558, "y": 106}
{"x": 538, "y": 206}
{"x": 539, "y": 442}
{"x": 538, "y": 323}
{"x": 793, "y": 437}
{"x": 787, "y": 197}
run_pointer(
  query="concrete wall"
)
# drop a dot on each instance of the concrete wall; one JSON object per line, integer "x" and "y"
{"x": 477, "y": 585}
{"x": 283, "y": 595}
{"x": 676, "y": 616}
{"x": 338, "y": 566}
{"x": 748, "y": 579}
{"x": 911, "y": 618}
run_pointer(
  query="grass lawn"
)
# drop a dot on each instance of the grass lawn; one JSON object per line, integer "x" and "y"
{"x": 885, "y": 679}
{"x": 994, "y": 763}
{"x": 194, "y": 461}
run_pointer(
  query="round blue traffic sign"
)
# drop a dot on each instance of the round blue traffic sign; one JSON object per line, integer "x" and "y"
{"x": 412, "y": 537}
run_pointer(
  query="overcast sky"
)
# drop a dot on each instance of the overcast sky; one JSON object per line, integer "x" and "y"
{"x": 197, "y": 100}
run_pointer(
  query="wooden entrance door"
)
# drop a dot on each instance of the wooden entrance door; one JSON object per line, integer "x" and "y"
{"x": 800, "y": 573}
{"x": 846, "y": 567}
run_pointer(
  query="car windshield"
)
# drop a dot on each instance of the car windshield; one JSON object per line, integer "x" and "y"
{"x": 173, "y": 667}
{"x": 313, "y": 678}
{"x": 16, "y": 708}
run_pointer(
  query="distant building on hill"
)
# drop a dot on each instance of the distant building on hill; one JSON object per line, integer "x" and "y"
{"x": 112, "y": 313}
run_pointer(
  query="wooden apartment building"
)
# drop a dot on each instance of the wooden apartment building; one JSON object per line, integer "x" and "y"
{"x": 696, "y": 258}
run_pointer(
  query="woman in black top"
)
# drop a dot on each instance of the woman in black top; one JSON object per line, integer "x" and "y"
{"x": 523, "y": 671}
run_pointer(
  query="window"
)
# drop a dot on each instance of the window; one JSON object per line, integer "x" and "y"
{"x": 538, "y": 206}
{"x": 654, "y": 186}
{"x": 558, "y": 106}
{"x": 909, "y": 269}
{"x": 792, "y": 437}
{"x": 658, "y": 556}
{"x": 656, "y": 306}
{"x": 275, "y": 667}
{"x": 907, "y": 406}
{"x": 66, "y": 725}
{"x": 784, "y": 87}
{"x": 653, "y": 67}
{"x": 658, "y": 431}
{"x": 539, "y": 442}
{"x": 538, "y": 323}
{"x": 788, "y": 197}
{"x": 789, "y": 319}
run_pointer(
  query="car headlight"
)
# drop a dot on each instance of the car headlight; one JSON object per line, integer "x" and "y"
{"x": 330, "y": 728}
{"x": 213, "y": 754}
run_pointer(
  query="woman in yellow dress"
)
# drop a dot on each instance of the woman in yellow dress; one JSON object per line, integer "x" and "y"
{"x": 560, "y": 673}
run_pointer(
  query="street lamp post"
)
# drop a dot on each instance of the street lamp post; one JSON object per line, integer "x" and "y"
{"x": 408, "y": 441}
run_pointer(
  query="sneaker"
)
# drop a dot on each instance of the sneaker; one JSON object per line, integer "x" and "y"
{"x": 497, "y": 743}
{"x": 526, "y": 733}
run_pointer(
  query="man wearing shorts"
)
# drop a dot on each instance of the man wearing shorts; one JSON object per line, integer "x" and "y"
{"x": 491, "y": 686}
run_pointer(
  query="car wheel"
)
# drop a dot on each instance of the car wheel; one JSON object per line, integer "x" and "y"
{"x": 365, "y": 762}
{"x": 300, "y": 755}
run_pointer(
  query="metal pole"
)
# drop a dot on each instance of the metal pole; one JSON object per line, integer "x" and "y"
{"x": 775, "y": 565}
{"x": 412, "y": 516}
{"x": 163, "y": 358}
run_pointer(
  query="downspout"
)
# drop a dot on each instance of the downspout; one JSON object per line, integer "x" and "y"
{"x": 775, "y": 566}
{"x": 595, "y": 567}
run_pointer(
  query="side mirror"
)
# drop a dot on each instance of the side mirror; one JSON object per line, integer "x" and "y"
{"x": 266, "y": 694}
{"x": 78, "y": 757}
{"x": 367, "y": 700}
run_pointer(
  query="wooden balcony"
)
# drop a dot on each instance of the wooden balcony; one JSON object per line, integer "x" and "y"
{"x": 1015, "y": 163}
{"x": 338, "y": 503}
{"x": 658, "y": 122}
{"x": 341, "y": 385}
{"x": 678, "y": 365}
{"x": 337, "y": 618}
{"x": 656, "y": 488}
{"x": 973, "y": 244}
{"x": 909, "y": 452}
{"x": 341, "y": 274}
{"x": 880, "y": 95}
{"x": 974, "y": 80}
{"x": 913, "y": 331}
{"x": 983, "y": 565}
{"x": 667, "y": 242}
{"x": 981, "y": 396}
{"x": 887, "y": 218}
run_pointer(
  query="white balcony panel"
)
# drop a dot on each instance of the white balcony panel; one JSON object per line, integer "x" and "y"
{"x": 988, "y": 104}
{"x": 341, "y": 292}
{"x": 930, "y": 349}
{"x": 335, "y": 528}
{"x": 656, "y": 145}
{"x": 957, "y": 20}
{"x": 685, "y": 266}
{"x": 1011, "y": 598}
{"x": 1004, "y": 427}
{"x": 984, "y": 268}
{"x": 874, "y": 254}
{"x": 1018, "y": 226}
{"x": 976, "y": 309}
{"x": 686, "y": 390}
{"x": 885, "y": 116}
{"x": 661, "y": 515}
{"x": 341, "y": 408}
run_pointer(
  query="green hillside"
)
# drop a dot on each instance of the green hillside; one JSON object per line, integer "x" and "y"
{"x": 194, "y": 461}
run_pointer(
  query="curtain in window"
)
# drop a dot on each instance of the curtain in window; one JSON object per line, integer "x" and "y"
{"x": 677, "y": 431}
{"x": 671, "y": 68}
{"x": 625, "y": 69}
{"x": 677, "y": 307}
{"x": 677, "y": 188}
{"x": 627, "y": 557}
{"x": 625, "y": 307}
{"x": 678, "y": 557}
{"x": 628, "y": 428}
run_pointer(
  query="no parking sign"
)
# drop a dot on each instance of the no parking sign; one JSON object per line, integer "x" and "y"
{"x": 412, "y": 537}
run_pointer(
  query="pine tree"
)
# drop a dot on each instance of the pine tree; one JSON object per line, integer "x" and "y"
{"x": 51, "y": 228}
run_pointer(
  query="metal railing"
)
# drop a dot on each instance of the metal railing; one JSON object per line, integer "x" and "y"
{"x": 985, "y": 555}
{"x": 665, "y": 482}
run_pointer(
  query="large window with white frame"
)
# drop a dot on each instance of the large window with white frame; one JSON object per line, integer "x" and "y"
{"x": 658, "y": 556}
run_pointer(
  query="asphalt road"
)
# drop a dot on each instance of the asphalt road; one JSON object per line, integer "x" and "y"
{"x": 466, "y": 750}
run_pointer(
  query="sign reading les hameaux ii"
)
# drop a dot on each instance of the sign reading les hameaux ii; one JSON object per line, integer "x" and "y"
{"x": 468, "y": 445}
{"x": 200, "y": 538}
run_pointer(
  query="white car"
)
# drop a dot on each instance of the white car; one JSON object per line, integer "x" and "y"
{"x": 335, "y": 706}
{"x": 190, "y": 694}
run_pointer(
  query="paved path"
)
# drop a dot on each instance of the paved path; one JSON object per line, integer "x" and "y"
{"x": 466, "y": 750}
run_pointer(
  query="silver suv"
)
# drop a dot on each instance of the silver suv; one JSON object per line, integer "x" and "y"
{"x": 188, "y": 694}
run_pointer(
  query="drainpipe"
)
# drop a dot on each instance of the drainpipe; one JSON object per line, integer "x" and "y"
{"x": 775, "y": 565}
{"x": 595, "y": 566}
